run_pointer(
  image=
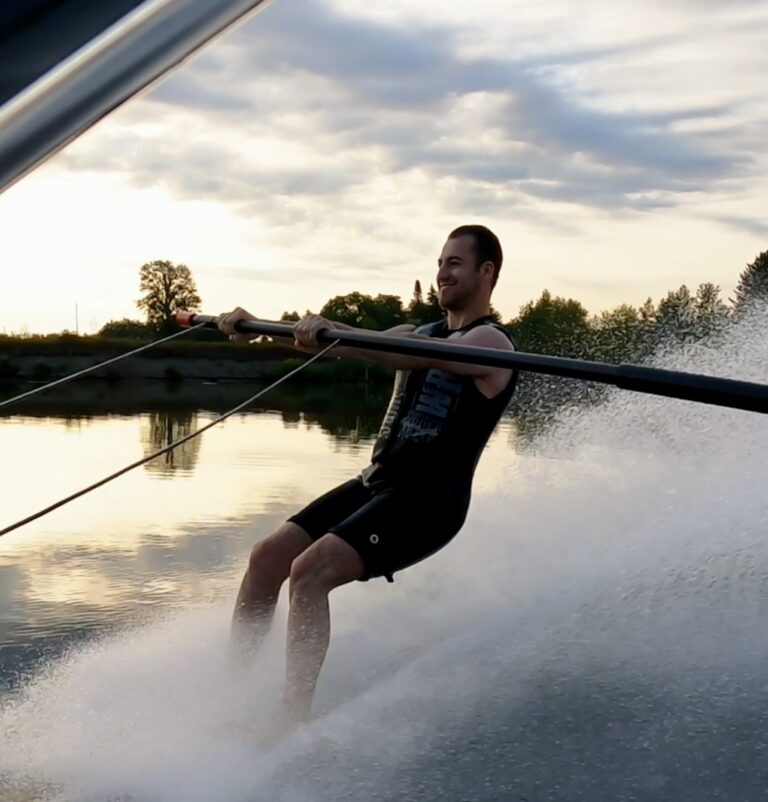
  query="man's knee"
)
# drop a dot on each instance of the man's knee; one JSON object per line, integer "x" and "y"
{"x": 328, "y": 563}
{"x": 272, "y": 557}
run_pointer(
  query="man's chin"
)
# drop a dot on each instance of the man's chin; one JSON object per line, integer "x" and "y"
{"x": 446, "y": 303}
{"x": 450, "y": 304}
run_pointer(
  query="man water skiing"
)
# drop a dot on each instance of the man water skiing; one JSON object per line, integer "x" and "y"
{"x": 414, "y": 496}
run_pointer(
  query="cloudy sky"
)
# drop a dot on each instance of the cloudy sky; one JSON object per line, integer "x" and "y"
{"x": 618, "y": 150}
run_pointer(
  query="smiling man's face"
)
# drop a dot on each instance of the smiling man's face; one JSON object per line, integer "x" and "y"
{"x": 459, "y": 278}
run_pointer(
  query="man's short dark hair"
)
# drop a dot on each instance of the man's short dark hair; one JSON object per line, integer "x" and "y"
{"x": 487, "y": 246}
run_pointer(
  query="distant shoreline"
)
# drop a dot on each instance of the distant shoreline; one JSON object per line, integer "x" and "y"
{"x": 42, "y": 359}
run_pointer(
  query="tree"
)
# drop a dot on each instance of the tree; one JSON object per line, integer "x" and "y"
{"x": 648, "y": 332}
{"x": 417, "y": 311}
{"x": 647, "y": 312}
{"x": 125, "y": 329}
{"x": 160, "y": 429}
{"x": 753, "y": 284}
{"x": 615, "y": 334}
{"x": 363, "y": 311}
{"x": 290, "y": 317}
{"x": 494, "y": 314}
{"x": 386, "y": 311}
{"x": 676, "y": 314}
{"x": 349, "y": 309}
{"x": 167, "y": 289}
{"x": 434, "y": 311}
{"x": 552, "y": 326}
{"x": 710, "y": 313}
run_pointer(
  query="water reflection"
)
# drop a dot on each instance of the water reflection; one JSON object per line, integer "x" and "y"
{"x": 161, "y": 428}
{"x": 344, "y": 411}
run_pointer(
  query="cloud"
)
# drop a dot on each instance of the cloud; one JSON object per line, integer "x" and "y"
{"x": 752, "y": 225}
{"x": 356, "y": 99}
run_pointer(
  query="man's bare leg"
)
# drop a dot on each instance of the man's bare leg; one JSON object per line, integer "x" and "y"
{"x": 269, "y": 566}
{"x": 327, "y": 564}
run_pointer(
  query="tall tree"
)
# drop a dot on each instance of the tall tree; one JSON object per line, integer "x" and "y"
{"x": 615, "y": 334}
{"x": 753, "y": 284}
{"x": 647, "y": 312}
{"x": 167, "y": 289}
{"x": 434, "y": 311}
{"x": 552, "y": 326}
{"x": 417, "y": 311}
{"x": 163, "y": 428}
{"x": 648, "y": 331}
{"x": 710, "y": 313}
{"x": 676, "y": 314}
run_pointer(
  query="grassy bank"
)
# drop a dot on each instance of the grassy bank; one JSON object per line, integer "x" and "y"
{"x": 73, "y": 345}
{"x": 38, "y": 359}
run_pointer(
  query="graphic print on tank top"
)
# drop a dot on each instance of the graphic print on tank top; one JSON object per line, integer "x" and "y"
{"x": 437, "y": 397}
{"x": 435, "y": 418}
{"x": 436, "y": 400}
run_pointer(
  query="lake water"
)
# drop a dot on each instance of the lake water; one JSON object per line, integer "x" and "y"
{"x": 596, "y": 632}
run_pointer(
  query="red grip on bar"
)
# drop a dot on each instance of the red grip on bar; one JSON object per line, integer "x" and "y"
{"x": 184, "y": 319}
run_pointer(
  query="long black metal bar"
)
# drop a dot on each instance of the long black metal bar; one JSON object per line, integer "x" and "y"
{"x": 136, "y": 51}
{"x": 748, "y": 396}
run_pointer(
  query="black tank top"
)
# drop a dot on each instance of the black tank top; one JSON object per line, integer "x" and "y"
{"x": 437, "y": 423}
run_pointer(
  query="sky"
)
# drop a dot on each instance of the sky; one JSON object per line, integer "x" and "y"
{"x": 320, "y": 148}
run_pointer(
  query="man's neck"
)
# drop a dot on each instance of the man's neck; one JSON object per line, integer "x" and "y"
{"x": 458, "y": 318}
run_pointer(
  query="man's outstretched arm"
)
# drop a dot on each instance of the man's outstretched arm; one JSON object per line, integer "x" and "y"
{"x": 305, "y": 333}
{"x": 307, "y": 329}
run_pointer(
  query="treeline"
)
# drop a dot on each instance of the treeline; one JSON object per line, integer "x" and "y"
{"x": 564, "y": 327}
{"x": 550, "y": 324}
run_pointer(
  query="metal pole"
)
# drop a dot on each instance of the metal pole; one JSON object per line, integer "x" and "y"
{"x": 136, "y": 51}
{"x": 670, "y": 383}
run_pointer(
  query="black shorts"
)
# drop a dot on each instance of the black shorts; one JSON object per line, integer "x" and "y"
{"x": 389, "y": 527}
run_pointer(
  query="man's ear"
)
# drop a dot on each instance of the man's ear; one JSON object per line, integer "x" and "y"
{"x": 487, "y": 268}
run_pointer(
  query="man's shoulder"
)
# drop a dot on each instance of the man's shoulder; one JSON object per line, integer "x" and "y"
{"x": 430, "y": 328}
{"x": 490, "y": 335}
{"x": 505, "y": 330}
